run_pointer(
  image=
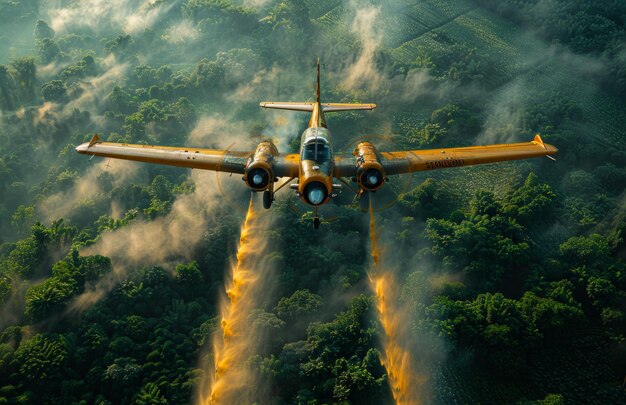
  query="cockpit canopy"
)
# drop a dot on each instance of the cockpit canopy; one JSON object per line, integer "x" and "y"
{"x": 316, "y": 145}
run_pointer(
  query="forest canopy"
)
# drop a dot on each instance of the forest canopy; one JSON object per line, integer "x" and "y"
{"x": 511, "y": 277}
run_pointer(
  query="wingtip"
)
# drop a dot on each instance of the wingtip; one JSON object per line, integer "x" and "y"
{"x": 550, "y": 149}
{"x": 95, "y": 139}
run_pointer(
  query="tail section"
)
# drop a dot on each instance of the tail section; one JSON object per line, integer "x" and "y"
{"x": 317, "y": 108}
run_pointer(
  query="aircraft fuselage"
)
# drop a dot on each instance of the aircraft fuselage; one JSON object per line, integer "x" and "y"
{"x": 316, "y": 160}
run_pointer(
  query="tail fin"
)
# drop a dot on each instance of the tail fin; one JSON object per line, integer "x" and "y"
{"x": 317, "y": 83}
{"x": 309, "y": 105}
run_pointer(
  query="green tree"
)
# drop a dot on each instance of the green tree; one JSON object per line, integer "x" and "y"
{"x": 48, "y": 297}
{"x": 591, "y": 251}
{"x": 42, "y": 359}
{"x": 301, "y": 304}
{"x": 150, "y": 395}
{"x": 84, "y": 68}
{"x": 531, "y": 204}
{"x": 43, "y": 31}
{"x": 6, "y": 91}
{"x": 119, "y": 101}
{"x": 548, "y": 316}
{"x": 265, "y": 322}
{"x": 25, "y": 71}
{"x": 48, "y": 51}
{"x": 427, "y": 200}
{"x": 152, "y": 110}
{"x": 23, "y": 216}
{"x": 184, "y": 111}
{"x": 334, "y": 350}
{"x": 135, "y": 126}
{"x": 121, "y": 46}
{"x": 240, "y": 65}
{"x": 28, "y": 253}
{"x": 208, "y": 76}
{"x": 484, "y": 244}
{"x": 356, "y": 380}
{"x": 460, "y": 123}
{"x": 54, "y": 90}
{"x": 145, "y": 76}
{"x": 552, "y": 399}
{"x": 601, "y": 291}
{"x": 190, "y": 279}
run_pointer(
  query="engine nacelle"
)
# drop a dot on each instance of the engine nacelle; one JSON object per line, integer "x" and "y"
{"x": 370, "y": 174}
{"x": 314, "y": 186}
{"x": 259, "y": 172}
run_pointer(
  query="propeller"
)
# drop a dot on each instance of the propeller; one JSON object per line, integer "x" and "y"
{"x": 386, "y": 196}
{"x": 232, "y": 183}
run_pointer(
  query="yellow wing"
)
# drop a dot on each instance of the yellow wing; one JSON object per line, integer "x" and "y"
{"x": 430, "y": 159}
{"x": 419, "y": 160}
{"x": 195, "y": 158}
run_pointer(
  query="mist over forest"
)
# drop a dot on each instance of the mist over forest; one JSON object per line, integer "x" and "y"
{"x": 506, "y": 282}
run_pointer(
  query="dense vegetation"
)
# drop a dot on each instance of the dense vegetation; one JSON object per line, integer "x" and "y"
{"x": 513, "y": 274}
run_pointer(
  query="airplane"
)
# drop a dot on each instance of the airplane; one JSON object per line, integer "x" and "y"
{"x": 316, "y": 166}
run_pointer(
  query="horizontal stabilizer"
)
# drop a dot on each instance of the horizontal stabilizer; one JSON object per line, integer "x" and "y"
{"x": 288, "y": 106}
{"x": 329, "y": 107}
{"x": 308, "y": 106}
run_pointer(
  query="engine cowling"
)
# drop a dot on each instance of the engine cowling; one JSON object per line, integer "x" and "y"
{"x": 259, "y": 172}
{"x": 314, "y": 186}
{"x": 315, "y": 193}
{"x": 370, "y": 174}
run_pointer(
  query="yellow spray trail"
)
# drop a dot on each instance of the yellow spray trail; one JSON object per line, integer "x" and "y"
{"x": 233, "y": 381}
{"x": 405, "y": 381}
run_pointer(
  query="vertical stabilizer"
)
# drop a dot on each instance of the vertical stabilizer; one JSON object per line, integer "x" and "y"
{"x": 317, "y": 83}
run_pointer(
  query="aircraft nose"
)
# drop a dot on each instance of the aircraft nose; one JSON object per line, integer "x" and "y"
{"x": 82, "y": 148}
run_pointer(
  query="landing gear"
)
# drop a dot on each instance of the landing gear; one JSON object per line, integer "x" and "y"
{"x": 267, "y": 199}
{"x": 316, "y": 219}
{"x": 268, "y": 196}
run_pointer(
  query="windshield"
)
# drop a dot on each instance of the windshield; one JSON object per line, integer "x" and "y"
{"x": 316, "y": 147}
{"x": 316, "y": 151}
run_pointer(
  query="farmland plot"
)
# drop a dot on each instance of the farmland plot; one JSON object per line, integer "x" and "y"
{"x": 603, "y": 117}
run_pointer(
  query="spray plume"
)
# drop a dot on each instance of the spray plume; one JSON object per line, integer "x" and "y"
{"x": 234, "y": 343}
{"x": 405, "y": 381}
